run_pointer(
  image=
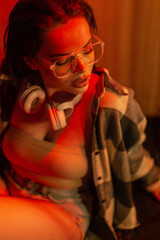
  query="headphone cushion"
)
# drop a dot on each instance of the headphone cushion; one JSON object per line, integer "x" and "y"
{"x": 32, "y": 99}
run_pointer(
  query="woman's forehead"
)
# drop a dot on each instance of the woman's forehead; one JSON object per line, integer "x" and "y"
{"x": 68, "y": 37}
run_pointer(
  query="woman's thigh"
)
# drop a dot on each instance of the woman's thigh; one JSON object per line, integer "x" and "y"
{"x": 29, "y": 219}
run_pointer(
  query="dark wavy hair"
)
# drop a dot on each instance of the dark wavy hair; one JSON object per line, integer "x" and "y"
{"x": 28, "y": 21}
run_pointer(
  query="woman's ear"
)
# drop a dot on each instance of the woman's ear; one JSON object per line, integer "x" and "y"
{"x": 31, "y": 62}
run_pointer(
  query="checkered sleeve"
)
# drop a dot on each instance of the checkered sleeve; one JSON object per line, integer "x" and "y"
{"x": 142, "y": 166}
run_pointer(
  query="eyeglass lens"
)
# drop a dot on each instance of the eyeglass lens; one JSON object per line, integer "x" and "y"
{"x": 90, "y": 54}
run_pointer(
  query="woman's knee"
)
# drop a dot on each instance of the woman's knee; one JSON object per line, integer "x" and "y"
{"x": 35, "y": 220}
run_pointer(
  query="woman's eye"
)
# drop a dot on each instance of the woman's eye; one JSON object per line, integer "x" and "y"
{"x": 63, "y": 61}
{"x": 88, "y": 50}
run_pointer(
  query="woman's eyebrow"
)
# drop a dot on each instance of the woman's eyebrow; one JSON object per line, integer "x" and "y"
{"x": 64, "y": 54}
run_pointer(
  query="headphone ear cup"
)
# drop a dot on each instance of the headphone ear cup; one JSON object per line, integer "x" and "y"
{"x": 58, "y": 118}
{"x": 32, "y": 99}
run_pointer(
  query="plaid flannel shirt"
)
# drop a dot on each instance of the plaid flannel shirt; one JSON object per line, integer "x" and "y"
{"x": 118, "y": 156}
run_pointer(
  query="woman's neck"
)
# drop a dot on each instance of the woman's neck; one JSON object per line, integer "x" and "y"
{"x": 61, "y": 96}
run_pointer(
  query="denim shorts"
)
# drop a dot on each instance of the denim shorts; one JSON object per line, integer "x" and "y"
{"x": 78, "y": 202}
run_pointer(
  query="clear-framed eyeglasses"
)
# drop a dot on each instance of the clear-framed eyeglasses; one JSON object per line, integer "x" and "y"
{"x": 65, "y": 65}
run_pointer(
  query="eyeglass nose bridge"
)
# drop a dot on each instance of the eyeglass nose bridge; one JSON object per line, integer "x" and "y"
{"x": 76, "y": 57}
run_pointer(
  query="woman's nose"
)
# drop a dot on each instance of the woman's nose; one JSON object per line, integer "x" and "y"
{"x": 81, "y": 65}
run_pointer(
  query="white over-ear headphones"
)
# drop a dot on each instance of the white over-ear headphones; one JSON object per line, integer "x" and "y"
{"x": 34, "y": 96}
{"x": 58, "y": 113}
{"x": 32, "y": 99}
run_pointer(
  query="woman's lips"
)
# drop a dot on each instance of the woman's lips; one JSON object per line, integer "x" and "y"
{"x": 81, "y": 82}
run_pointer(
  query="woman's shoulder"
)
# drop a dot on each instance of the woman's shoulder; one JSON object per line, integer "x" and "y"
{"x": 35, "y": 124}
{"x": 111, "y": 94}
{"x": 8, "y": 93}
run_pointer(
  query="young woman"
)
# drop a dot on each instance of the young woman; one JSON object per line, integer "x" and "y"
{"x": 71, "y": 136}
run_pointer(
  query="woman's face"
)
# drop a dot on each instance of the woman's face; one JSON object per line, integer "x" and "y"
{"x": 65, "y": 39}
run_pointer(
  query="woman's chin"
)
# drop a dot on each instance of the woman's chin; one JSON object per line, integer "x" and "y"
{"x": 79, "y": 90}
